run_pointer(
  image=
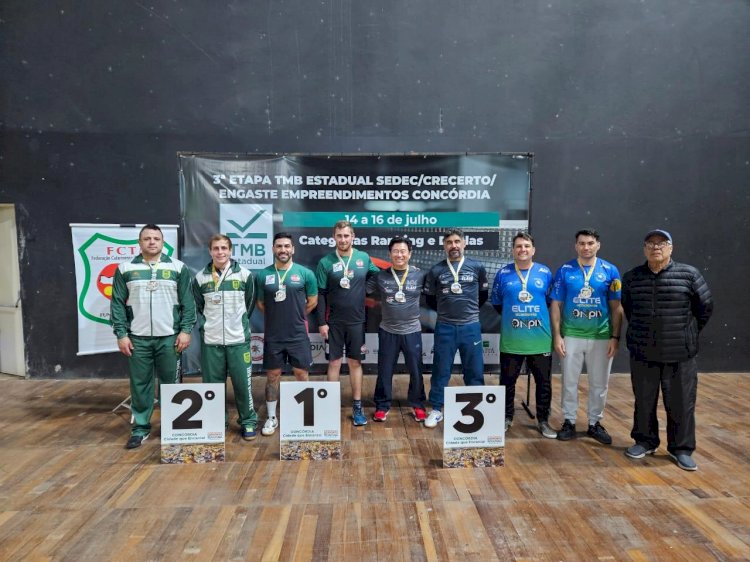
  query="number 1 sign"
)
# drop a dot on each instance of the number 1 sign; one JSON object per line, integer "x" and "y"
{"x": 310, "y": 420}
{"x": 474, "y": 426}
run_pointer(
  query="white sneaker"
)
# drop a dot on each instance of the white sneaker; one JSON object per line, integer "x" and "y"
{"x": 270, "y": 426}
{"x": 435, "y": 417}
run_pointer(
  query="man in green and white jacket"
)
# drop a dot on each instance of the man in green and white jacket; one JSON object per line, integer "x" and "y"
{"x": 152, "y": 314}
{"x": 225, "y": 296}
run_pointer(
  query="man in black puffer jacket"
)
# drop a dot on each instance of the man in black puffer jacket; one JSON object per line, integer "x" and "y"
{"x": 667, "y": 304}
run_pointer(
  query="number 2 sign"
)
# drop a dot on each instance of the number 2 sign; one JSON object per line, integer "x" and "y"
{"x": 192, "y": 413}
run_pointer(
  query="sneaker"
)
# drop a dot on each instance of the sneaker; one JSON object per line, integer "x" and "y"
{"x": 358, "y": 417}
{"x": 509, "y": 424}
{"x": 419, "y": 414}
{"x": 248, "y": 433}
{"x": 600, "y": 434}
{"x": 567, "y": 431}
{"x": 380, "y": 415}
{"x": 269, "y": 428}
{"x": 435, "y": 417}
{"x": 639, "y": 450}
{"x": 135, "y": 441}
{"x": 684, "y": 461}
{"x": 546, "y": 430}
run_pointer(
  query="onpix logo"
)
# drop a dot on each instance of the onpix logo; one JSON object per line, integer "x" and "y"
{"x": 250, "y": 226}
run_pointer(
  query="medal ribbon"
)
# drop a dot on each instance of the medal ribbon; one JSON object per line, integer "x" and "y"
{"x": 215, "y": 276}
{"x": 346, "y": 265}
{"x": 524, "y": 280}
{"x": 403, "y": 279}
{"x": 587, "y": 276}
{"x": 286, "y": 272}
{"x": 154, "y": 267}
{"x": 455, "y": 271}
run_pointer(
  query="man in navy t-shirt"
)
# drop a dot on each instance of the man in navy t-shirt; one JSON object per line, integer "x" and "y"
{"x": 456, "y": 288}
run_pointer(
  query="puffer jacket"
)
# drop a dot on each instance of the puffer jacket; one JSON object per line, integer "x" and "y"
{"x": 665, "y": 311}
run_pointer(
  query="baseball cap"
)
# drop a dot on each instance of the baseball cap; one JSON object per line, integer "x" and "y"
{"x": 659, "y": 232}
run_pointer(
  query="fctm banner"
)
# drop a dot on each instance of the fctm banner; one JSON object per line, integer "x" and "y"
{"x": 249, "y": 198}
{"x": 97, "y": 250}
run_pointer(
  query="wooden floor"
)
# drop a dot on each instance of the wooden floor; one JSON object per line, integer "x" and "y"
{"x": 69, "y": 491}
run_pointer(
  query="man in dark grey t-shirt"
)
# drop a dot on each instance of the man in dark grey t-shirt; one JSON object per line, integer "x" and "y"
{"x": 399, "y": 288}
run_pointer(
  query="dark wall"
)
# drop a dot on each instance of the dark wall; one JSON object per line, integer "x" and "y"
{"x": 637, "y": 113}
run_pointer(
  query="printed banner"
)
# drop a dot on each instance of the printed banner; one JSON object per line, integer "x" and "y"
{"x": 249, "y": 198}
{"x": 97, "y": 250}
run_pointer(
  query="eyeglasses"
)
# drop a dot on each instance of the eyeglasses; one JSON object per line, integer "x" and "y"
{"x": 657, "y": 245}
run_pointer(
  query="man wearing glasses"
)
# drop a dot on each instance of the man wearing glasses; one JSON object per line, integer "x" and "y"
{"x": 667, "y": 304}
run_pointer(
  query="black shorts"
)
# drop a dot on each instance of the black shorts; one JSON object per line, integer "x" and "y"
{"x": 346, "y": 336}
{"x": 297, "y": 353}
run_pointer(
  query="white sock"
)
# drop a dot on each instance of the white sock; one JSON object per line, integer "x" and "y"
{"x": 271, "y": 408}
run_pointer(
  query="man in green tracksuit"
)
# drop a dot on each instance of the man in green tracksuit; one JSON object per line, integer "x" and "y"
{"x": 152, "y": 312}
{"x": 225, "y": 296}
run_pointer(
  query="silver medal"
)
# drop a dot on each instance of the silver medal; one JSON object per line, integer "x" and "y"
{"x": 525, "y": 296}
{"x": 344, "y": 283}
{"x": 151, "y": 286}
{"x": 400, "y": 296}
{"x": 216, "y": 298}
{"x": 280, "y": 295}
{"x": 456, "y": 288}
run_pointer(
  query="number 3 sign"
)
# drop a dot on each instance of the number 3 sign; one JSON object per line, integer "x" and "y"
{"x": 474, "y": 417}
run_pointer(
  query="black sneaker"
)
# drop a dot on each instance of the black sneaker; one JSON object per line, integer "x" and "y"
{"x": 600, "y": 434}
{"x": 135, "y": 441}
{"x": 567, "y": 431}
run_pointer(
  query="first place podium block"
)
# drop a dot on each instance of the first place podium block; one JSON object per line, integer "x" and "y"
{"x": 310, "y": 426}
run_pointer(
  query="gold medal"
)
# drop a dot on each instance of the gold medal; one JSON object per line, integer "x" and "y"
{"x": 525, "y": 296}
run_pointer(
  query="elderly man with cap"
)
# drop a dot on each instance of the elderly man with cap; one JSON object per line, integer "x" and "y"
{"x": 667, "y": 304}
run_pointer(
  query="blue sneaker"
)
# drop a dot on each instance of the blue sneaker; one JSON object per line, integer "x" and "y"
{"x": 358, "y": 416}
{"x": 248, "y": 433}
